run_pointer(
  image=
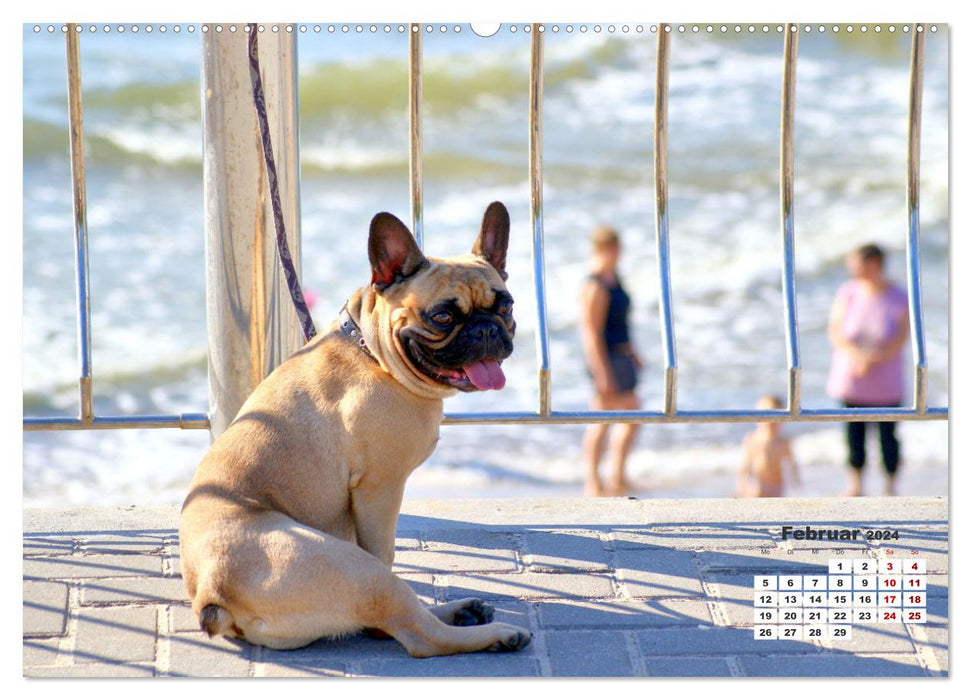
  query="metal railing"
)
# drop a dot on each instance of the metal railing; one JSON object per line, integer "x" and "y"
{"x": 913, "y": 219}
{"x": 661, "y": 220}
{"x": 786, "y": 180}
{"x": 86, "y": 419}
{"x": 415, "y": 154}
{"x": 794, "y": 412}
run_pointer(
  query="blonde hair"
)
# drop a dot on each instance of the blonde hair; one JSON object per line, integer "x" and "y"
{"x": 769, "y": 401}
{"x": 604, "y": 237}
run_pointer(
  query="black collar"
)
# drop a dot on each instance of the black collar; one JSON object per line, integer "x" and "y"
{"x": 353, "y": 332}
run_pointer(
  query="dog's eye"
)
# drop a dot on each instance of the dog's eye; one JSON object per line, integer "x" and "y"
{"x": 505, "y": 308}
{"x": 443, "y": 318}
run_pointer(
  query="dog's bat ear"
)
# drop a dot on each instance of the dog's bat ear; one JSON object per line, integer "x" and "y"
{"x": 493, "y": 238}
{"x": 392, "y": 250}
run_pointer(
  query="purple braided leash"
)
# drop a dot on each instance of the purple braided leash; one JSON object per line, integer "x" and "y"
{"x": 293, "y": 284}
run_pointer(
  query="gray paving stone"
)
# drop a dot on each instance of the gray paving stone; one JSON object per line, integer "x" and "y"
{"x": 407, "y": 539}
{"x": 106, "y": 635}
{"x": 731, "y": 586}
{"x": 41, "y": 652}
{"x": 739, "y": 614}
{"x": 830, "y": 665}
{"x": 588, "y": 653}
{"x": 300, "y": 670}
{"x": 129, "y": 543}
{"x": 694, "y": 641}
{"x": 583, "y": 584}
{"x": 172, "y": 563}
{"x": 92, "y": 566}
{"x": 197, "y": 656}
{"x": 182, "y": 619}
{"x": 687, "y": 667}
{"x": 937, "y": 610}
{"x": 734, "y": 594}
{"x": 43, "y": 545}
{"x": 429, "y": 561}
{"x": 528, "y": 585}
{"x": 935, "y": 641}
{"x": 463, "y": 539}
{"x": 758, "y": 562}
{"x": 133, "y": 590}
{"x": 564, "y": 551}
{"x": 325, "y": 653}
{"x": 937, "y": 585}
{"x": 694, "y": 538}
{"x": 513, "y": 612}
{"x": 422, "y": 584}
{"x": 646, "y": 573}
{"x": 45, "y": 608}
{"x": 120, "y": 670}
{"x": 624, "y": 614}
{"x": 936, "y": 562}
{"x": 875, "y": 639}
{"x": 480, "y": 664}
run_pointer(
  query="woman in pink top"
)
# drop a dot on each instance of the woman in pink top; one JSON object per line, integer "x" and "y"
{"x": 868, "y": 326}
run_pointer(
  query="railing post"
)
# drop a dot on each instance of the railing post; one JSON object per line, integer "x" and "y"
{"x": 661, "y": 219}
{"x": 85, "y": 389}
{"x": 913, "y": 220}
{"x": 251, "y": 324}
{"x": 536, "y": 215}
{"x": 786, "y": 169}
{"x": 415, "y": 122}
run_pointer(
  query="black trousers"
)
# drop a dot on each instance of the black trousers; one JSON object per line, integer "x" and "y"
{"x": 856, "y": 441}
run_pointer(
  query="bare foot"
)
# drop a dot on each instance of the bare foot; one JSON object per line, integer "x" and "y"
{"x": 593, "y": 489}
{"x": 621, "y": 489}
{"x": 891, "y": 489}
{"x": 856, "y": 485}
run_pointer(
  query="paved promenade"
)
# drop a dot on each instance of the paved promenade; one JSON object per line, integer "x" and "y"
{"x": 609, "y": 587}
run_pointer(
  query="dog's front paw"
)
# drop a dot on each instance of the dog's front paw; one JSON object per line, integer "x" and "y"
{"x": 475, "y": 612}
{"x": 511, "y": 638}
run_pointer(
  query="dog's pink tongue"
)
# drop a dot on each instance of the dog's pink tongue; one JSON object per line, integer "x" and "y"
{"x": 486, "y": 374}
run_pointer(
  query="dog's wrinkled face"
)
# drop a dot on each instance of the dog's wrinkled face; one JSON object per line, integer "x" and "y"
{"x": 461, "y": 338}
{"x": 450, "y": 320}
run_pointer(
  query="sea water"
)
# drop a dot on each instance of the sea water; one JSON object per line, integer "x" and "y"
{"x": 144, "y": 154}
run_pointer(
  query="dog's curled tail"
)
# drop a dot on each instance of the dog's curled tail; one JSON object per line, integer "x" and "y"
{"x": 215, "y": 619}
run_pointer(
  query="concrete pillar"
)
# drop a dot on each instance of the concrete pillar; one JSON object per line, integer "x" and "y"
{"x": 251, "y": 324}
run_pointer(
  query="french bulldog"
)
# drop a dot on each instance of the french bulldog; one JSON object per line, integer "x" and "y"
{"x": 287, "y": 533}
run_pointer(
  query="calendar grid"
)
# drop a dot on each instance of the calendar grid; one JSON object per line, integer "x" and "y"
{"x": 825, "y": 606}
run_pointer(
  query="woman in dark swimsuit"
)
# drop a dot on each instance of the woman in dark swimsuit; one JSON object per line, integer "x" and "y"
{"x": 612, "y": 362}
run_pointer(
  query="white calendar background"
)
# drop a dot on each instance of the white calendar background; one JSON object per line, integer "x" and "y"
{"x": 819, "y": 606}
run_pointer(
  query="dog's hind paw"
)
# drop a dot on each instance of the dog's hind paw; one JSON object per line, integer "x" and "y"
{"x": 514, "y": 640}
{"x": 475, "y": 612}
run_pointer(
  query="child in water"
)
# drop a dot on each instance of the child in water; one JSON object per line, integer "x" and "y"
{"x": 766, "y": 449}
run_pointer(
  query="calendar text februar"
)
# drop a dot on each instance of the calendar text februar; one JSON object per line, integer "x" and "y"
{"x": 816, "y": 534}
